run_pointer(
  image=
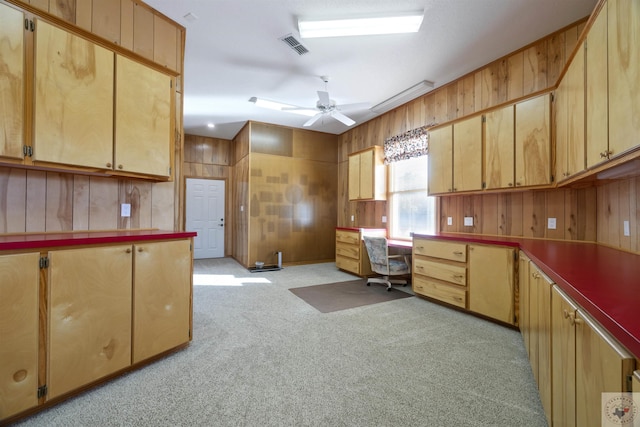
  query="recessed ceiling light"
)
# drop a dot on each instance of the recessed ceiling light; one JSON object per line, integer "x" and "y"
{"x": 360, "y": 26}
{"x": 210, "y": 125}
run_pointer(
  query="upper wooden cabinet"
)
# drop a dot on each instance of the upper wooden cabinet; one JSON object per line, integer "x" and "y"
{"x": 73, "y": 100}
{"x": 499, "y": 148}
{"x": 624, "y": 75}
{"x": 368, "y": 175}
{"x": 441, "y": 160}
{"x": 569, "y": 114}
{"x": 11, "y": 82}
{"x": 144, "y": 125}
{"x": 467, "y": 154}
{"x": 597, "y": 110}
{"x": 533, "y": 142}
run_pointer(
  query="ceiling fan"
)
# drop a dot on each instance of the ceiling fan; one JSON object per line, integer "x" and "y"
{"x": 328, "y": 107}
{"x": 325, "y": 106}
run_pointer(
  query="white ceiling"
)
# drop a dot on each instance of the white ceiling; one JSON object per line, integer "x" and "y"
{"x": 234, "y": 52}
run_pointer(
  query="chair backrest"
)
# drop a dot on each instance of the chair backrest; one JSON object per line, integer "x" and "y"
{"x": 378, "y": 252}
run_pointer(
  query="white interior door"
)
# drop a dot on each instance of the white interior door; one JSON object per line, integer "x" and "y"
{"x": 205, "y": 215}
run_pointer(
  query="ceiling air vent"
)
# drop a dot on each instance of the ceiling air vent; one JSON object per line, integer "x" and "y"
{"x": 294, "y": 44}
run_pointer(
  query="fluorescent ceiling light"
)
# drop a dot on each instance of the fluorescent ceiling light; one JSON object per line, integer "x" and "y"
{"x": 403, "y": 97}
{"x": 272, "y": 105}
{"x": 393, "y": 24}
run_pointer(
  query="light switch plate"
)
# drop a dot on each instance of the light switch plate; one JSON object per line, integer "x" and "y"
{"x": 468, "y": 221}
{"x": 125, "y": 210}
{"x": 449, "y": 220}
{"x": 352, "y": 218}
{"x": 626, "y": 228}
{"x": 384, "y": 219}
{"x": 551, "y": 223}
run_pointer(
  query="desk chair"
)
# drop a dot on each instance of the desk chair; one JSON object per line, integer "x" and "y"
{"x": 385, "y": 264}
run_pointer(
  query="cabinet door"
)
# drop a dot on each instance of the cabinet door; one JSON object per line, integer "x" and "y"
{"x": 624, "y": 75}
{"x": 491, "y": 277}
{"x": 73, "y": 100}
{"x": 563, "y": 340}
{"x": 597, "y": 91}
{"x": 144, "y": 119}
{"x": 89, "y": 315}
{"x": 354, "y": 177}
{"x": 367, "y": 178}
{"x": 541, "y": 338}
{"x": 601, "y": 366}
{"x": 533, "y": 142}
{"x": 467, "y": 154}
{"x": 11, "y": 82}
{"x": 570, "y": 107}
{"x": 19, "y": 275}
{"x": 441, "y": 160}
{"x": 162, "y": 297}
{"x": 525, "y": 300}
{"x": 499, "y": 148}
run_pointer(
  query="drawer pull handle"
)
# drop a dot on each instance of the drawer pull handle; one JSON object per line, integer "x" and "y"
{"x": 420, "y": 267}
{"x": 565, "y": 314}
{"x": 458, "y": 276}
{"x": 457, "y": 252}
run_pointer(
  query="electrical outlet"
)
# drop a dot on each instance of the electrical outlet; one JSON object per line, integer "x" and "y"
{"x": 626, "y": 228}
{"x": 449, "y": 220}
{"x": 468, "y": 221}
{"x": 353, "y": 218}
{"x": 125, "y": 210}
{"x": 384, "y": 219}
{"x": 551, "y": 223}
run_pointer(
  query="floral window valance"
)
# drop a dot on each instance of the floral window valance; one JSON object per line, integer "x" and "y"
{"x": 413, "y": 143}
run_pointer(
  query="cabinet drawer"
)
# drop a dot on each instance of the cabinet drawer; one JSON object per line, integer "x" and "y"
{"x": 439, "y": 249}
{"x": 440, "y": 291}
{"x": 348, "y": 250}
{"x": 450, "y": 273}
{"x": 348, "y": 264}
{"x": 352, "y": 237}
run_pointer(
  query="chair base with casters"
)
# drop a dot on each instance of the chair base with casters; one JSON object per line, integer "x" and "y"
{"x": 384, "y": 264}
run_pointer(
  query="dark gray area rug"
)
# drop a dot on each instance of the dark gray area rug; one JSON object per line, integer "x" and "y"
{"x": 343, "y": 295}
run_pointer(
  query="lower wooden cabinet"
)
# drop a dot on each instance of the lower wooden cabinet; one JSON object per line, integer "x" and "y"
{"x": 19, "y": 276}
{"x": 480, "y": 278}
{"x": 440, "y": 270}
{"x": 491, "y": 282}
{"x": 351, "y": 254}
{"x": 162, "y": 297}
{"x": 89, "y": 315}
{"x": 602, "y": 365}
{"x": 70, "y": 317}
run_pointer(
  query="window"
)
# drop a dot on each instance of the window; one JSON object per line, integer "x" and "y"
{"x": 410, "y": 209}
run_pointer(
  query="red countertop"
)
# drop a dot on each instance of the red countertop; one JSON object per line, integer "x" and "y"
{"x": 605, "y": 282}
{"x": 12, "y": 242}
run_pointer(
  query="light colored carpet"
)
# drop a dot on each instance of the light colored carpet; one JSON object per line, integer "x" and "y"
{"x": 261, "y": 356}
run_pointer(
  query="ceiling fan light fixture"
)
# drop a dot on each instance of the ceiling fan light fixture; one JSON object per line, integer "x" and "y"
{"x": 279, "y": 106}
{"x": 360, "y": 26}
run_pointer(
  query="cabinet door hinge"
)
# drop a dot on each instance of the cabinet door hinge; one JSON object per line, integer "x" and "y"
{"x": 27, "y": 150}
{"x": 484, "y": 119}
{"x": 44, "y": 262}
{"x": 169, "y": 168}
{"x": 42, "y": 391}
{"x": 630, "y": 383}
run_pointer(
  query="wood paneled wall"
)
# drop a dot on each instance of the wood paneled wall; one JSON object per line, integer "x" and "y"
{"x": 39, "y": 201}
{"x": 211, "y": 158}
{"x": 241, "y": 195}
{"x": 619, "y": 201}
{"x": 292, "y": 194}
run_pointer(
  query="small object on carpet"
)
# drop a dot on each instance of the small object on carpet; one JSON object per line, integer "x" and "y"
{"x": 344, "y": 295}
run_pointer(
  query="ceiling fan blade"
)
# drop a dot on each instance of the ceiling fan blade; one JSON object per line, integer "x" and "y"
{"x": 312, "y": 120}
{"x": 356, "y": 106}
{"x": 341, "y": 117}
{"x": 324, "y": 98}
